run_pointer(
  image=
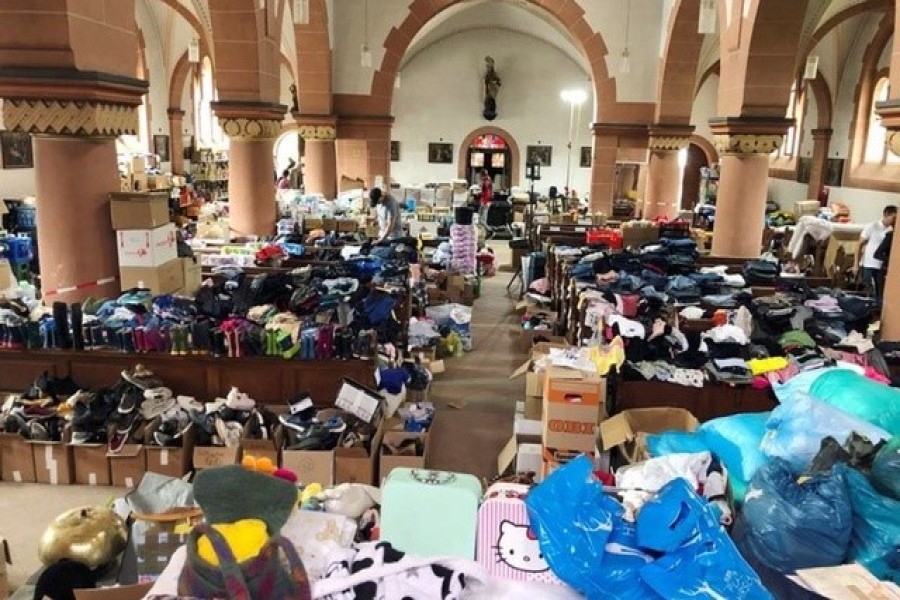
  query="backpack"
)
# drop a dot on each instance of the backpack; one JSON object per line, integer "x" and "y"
{"x": 883, "y": 252}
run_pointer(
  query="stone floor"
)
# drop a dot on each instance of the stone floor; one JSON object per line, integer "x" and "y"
{"x": 466, "y": 439}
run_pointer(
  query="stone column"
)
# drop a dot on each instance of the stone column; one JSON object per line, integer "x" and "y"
{"x": 176, "y": 140}
{"x": 890, "y": 313}
{"x": 613, "y": 142}
{"x": 252, "y": 128}
{"x": 74, "y": 118}
{"x": 744, "y": 147}
{"x": 821, "y": 144}
{"x": 664, "y": 174}
{"x": 366, "y": 152}
{"x": 320, "y": 160}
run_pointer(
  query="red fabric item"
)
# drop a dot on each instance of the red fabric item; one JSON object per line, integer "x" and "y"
{"x": 606, "y": 479}
{"x": 487, "y": 190}
{"x": 760, "y": 383}
{"x": 874, "y": 375}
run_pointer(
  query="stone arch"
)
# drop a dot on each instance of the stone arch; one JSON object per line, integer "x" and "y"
{"x": 515, "y": 155}
{"x": 180, "y": 73}
{"x": 760, "y": 70}
{"x": 202, "y": 33}
{"x": 679, "y": 65}
{"x": 823, "y": 30}
{"x": 712, "y": 155}
{"x": 824, "y": 106}
{"x": 714, "y": 69}
{"x": 247, "y": 67}
{"x": 569, "y": 14}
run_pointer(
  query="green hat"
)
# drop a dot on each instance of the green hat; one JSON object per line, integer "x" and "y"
{"x": 233, "y": 493}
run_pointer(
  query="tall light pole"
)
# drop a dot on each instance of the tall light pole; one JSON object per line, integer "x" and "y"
{"x": 575, "y": 98}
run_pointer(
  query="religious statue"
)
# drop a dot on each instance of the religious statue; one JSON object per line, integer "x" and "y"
{"x": 295, "y": 104}
{"x": 491, "y": 89}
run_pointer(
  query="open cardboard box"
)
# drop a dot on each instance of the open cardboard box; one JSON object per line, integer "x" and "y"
{"x": 310, "y": 466}
{"x": 627, "y": 430}
{"x": 174, "y": 461}
{"x": 54, "y": 462}
{"x": 121, "y": 592}
{"x": 91, "y": 464}
{"x": 127, "y": 467}
{"x": 16, "y": 459}
{"x": 389, "y": 462}
{"x": 206, "y": 457}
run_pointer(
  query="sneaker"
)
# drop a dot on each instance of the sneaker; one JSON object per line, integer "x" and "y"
{"x": 36, "y": 431}
{"x": 229, "y": 432}
{"x": 237, "y": 400}
{"x": 141, "y": 377}
{"x": 156, "y": 402}
{"x": 302, "y": 407}
{"x": 189, "y": 403}
{"x": 314, "y": 437}
{"x": 129, "y": 401}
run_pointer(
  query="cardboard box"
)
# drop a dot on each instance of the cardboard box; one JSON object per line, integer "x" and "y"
{"x": 388, "y": 462}
{"x": 329, "y": 224}
{"x": 634, "y": 237}
{"x": 91, "y": 464}
{"x": 347, "y": 226}
{"x": 205, "y": 457}
{"x": 54, "y": 462}
{"x": 130, "y": 210}
{"x": 534, "y": 404}
{"x": 164, "y": 279}
{"x": 173, "y": 462}
{"x": 627, "y": 430}
{"x": 127, "y": 467}
{"x": 5, "y": 559}
{"x": 310, "y": 466}
{"x": 138, "y": 164}
{"x": 146, "y": 247}
{"x": 311, "y": 223}
{"x": 356, "y": 465}
{"x": 192, "y": 274}
{"x": 553, "y": 459}
{"x": 260, "y": 449}
{"x": 573, "y": 406}
{"x": 529, "y": 459}
{"x": 7, "y": 277}
{"x": 16, "y": 459}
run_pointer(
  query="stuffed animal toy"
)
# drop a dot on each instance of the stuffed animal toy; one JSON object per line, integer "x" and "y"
{"x": 239, "y": 553}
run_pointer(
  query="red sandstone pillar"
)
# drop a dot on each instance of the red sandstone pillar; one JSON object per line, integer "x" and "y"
{"x": 890, "y": 313}
{"x": 320, "y": 158}
{"x": 176, "y": 140}
{"x": 664, "y": 172}
{"x": 821, "y": 142}
{"x": 744, "y": 147}
{"x": 603, "y": 172}
{"x": 251, "y": 128}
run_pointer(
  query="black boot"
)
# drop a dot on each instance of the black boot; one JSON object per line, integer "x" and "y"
{"x": 77, "y": 327}
{"x": 61, "y": 320}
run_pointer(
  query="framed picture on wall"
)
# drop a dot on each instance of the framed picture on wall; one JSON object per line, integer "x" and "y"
{"x": 586, "y": 157}
{"x": 834, "y": 172}
{"x": 804, "y": 167}
{"x": 395, "y": 151}
{"x": 16, "y": 150}
{"x": 187, "y": 151}
{"x": 440, "y": 153}
{"x": 542, "y": 155}
{"x": 161, "y": 147}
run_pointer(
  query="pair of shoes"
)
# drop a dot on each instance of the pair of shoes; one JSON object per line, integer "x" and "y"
{"x": 308, "y": 338}
{"x": 141, "y": 377}
{"x": 238, "y": 400}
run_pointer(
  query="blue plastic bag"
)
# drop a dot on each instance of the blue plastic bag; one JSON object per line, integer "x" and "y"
{"x": 861, "y": 397}
{"x": 674, "y": 442}
{"x": 799, "y": 384}
{"x": 707, "y": 565}
{"x": 573, "y": 520}
{"x": 793, "y": 525}
{"x": 885, "y": 473}
{"x": 876, "y": 527}
{"x": 797, "y": 427}
{"x": 735, "y": 441}
{"x": 622, "y": 563}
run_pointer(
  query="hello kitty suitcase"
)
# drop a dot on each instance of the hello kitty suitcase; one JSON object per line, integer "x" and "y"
{"x": 507, "y": 548}
{"x": 430, "y": 513}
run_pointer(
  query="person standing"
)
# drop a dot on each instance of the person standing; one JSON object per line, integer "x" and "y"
{"x": 388, "y": 214}
{"x": 487, "y": 188}
{"x": 871, "y": 268}
{"x": 284, "y": 183}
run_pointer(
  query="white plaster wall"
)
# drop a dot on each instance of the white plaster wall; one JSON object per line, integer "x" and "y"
{"x": 349, "y": 76}
{"x": 17, "y": 183}
{"x": 440, "y": 100}
{"x": 705, "y": 106}
{"x": 810, "y": 122}
{"x": 865, "y": 205}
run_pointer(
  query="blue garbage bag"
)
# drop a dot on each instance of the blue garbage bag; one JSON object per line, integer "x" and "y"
{"x": 800, "y": 383}
{"x": 573, "y": 520}
{"x": 875, "y": 542}
{"x": 707, "y": 564}
{"x": 674, "y": 442}
{"x": 622, "y": 562}
{"x": 797, "y": 523}
{"x": 797, "y": 427}
{"x": 861, "y": 397}
{"x": 885, "y": 473}
{"x": 735, "y": 441}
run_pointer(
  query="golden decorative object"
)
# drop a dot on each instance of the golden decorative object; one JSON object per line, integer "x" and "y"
{"x": 92, "y": 535}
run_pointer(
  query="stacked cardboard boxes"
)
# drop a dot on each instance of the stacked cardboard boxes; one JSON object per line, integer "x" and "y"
{"x": 146, "y": 242}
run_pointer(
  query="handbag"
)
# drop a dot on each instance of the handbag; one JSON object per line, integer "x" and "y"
{"x": 263, "y": 576}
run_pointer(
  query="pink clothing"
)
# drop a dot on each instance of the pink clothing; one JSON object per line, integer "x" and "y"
{"x": 874, "y": 375}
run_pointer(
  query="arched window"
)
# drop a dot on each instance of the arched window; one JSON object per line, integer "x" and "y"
{"x": 794, "y": 111}
{"x": 209, "y": 135}
{"x": 877, "y": 150}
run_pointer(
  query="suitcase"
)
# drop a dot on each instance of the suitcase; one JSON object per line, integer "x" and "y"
{"x": 507, "y": 547}
{"x": 430, "y": 513}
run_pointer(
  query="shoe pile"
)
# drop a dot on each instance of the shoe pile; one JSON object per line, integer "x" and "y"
{"x": 38, "y": 413}
{"x": 305, "y": 428}
{"x": 225, "y": 421}
{"x": 417, "y": 416}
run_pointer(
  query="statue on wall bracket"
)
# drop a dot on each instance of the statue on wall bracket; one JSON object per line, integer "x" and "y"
{"x": 492, "y": 85}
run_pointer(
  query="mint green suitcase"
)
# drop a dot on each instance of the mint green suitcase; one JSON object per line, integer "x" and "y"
{"x": 430, "y": 513}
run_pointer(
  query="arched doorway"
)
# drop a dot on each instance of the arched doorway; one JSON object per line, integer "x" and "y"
{"x": 690, "y": 182}
{"x": 493, "y": 149}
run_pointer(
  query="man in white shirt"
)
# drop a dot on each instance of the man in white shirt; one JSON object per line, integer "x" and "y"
{"x": 871, "y": 269}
